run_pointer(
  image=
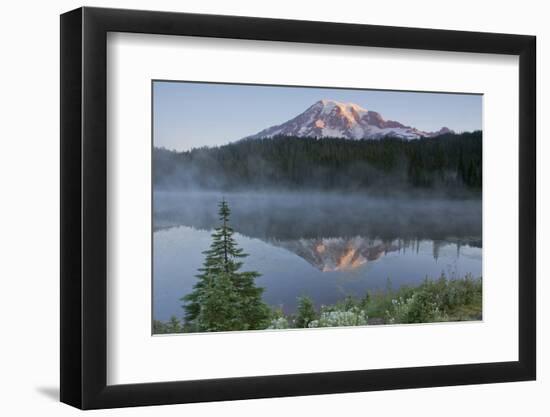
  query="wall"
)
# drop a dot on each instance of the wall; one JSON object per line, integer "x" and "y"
{"x": 29, "y": 210}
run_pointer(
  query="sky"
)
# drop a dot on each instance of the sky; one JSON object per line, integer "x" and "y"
{"x": 189, "y": 115}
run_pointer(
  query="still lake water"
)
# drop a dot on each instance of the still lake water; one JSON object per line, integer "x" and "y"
{"x": 326, "y": 246}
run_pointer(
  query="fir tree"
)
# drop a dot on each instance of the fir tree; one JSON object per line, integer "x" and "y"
{"x": 306, "y": 312}
{"x": 223, "y": 297}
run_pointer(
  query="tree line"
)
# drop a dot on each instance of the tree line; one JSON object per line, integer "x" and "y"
{"x": 448, "y": 162}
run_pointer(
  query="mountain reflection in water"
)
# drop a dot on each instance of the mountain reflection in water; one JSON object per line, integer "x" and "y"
{"x": 337, "y": 254}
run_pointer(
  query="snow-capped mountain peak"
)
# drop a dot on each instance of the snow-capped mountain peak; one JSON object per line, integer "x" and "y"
{"x": 331, "y": 118}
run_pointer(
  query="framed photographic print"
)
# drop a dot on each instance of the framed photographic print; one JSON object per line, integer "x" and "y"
{"x": 257, "y": 208}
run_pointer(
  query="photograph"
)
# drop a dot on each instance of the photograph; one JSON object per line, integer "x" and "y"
{"x": 297, "y": 207}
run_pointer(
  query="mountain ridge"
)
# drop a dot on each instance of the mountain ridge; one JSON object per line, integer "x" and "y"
{"x": 331, "y": 118}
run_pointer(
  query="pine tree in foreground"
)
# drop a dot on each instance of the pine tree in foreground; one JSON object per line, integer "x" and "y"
{"x": 223, "y": 298}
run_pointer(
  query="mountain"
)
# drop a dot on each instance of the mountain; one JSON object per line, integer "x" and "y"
{"x": 329, "y": 118}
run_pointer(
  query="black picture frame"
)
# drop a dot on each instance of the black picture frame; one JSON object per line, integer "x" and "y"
{"x": 84, "y": 207}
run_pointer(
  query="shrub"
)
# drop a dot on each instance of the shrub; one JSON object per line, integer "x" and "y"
{"x": 353, "y": 317}
{"x": 440, "y": 300}
{"x": 278, "y": 320}
{"x": 279, "y": 323}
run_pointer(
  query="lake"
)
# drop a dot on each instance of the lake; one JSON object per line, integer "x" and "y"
{"x": 324, "y": 245}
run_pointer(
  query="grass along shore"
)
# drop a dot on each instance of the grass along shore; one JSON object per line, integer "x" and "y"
{"x": 432, "y": 301}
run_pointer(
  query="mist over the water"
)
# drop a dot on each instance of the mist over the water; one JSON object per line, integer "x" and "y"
{"x": 296, "y": 215}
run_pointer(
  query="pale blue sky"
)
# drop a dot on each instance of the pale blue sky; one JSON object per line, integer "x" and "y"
{"x": 190, "y": 115}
